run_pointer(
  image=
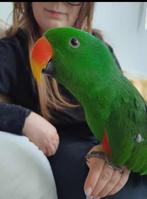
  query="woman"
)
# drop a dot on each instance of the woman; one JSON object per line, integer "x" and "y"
{"x": 45, "y": 114}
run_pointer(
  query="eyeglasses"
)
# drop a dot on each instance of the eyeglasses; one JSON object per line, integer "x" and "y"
{"x": 74, "y": 3}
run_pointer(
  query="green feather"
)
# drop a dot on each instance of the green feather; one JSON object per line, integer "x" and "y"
{"x": 90, "y": 72}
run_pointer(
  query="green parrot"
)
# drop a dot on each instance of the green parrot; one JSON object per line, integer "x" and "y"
{"x": 114, "y": 110}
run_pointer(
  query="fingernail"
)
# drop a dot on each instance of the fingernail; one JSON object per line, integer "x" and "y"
{"x": 88, "y": 191}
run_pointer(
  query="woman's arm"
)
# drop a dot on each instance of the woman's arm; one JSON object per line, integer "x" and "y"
{"x": 102, "y": 179}
{"x": 12, "y": 117}
{"x": 42, "y": 133}
{"x": 22, "y": 121}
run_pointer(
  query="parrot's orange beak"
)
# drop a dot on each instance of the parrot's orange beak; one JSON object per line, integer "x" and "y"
{"x": 40, "y": 56}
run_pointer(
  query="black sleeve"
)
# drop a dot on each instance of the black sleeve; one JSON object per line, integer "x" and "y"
{"x": 12, "y": 116}
{"x": 8, "y": 67}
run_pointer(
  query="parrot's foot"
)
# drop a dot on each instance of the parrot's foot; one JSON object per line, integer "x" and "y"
{"x": 103, "y": 155}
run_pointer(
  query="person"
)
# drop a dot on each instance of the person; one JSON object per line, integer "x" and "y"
{"x": 48, "y": 115}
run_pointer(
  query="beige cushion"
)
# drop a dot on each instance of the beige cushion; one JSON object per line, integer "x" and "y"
{"x": 139, "y": 81}
{"x": 141, "y": 86}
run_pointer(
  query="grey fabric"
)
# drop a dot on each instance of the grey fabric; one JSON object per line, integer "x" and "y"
{"x": 25, "y": 172}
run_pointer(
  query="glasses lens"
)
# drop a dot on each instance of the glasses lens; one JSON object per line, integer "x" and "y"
{"x": 74, "y": 3}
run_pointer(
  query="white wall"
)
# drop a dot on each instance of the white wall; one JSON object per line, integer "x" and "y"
{"x": 6, "y": 11}
{"x": 123, "y": 25}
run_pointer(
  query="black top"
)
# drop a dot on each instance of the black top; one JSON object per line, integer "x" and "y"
{"x": 16, "y": 81}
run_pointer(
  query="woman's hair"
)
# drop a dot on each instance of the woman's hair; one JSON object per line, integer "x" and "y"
{"x": 49, "y": 95}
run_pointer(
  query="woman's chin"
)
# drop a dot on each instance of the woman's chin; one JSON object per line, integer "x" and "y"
{"x": 55, "y": 24}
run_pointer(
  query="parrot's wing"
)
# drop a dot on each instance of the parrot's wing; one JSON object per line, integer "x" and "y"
{"x": 127, "y": 129}
{"x": 95, "y": 124}
{"x": 98, "y": 112}
{"x": 120, "y": 130}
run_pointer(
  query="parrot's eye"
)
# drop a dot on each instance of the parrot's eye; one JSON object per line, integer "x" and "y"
{"x": 74, "y": 43}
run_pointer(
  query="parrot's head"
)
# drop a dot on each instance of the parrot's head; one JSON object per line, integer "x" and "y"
{"x": 71, "y": 56}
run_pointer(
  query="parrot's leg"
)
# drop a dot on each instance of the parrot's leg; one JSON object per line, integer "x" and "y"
{"x": 103, "y": 155}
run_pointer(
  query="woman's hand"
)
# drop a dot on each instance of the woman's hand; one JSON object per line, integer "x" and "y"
{"x": 102, "y": 179}
{"x": 42, "y": 133}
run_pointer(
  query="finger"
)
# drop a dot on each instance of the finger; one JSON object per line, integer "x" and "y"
{"x": 103, "y": 179}
{"x": 43, "y": 149}
{"x": 50, "y": 150}
{"x": 56, "y": 144}
{"x": 95, "y": 168}
{"x": 122, "y": 182}
{"x": 115, "y": 178}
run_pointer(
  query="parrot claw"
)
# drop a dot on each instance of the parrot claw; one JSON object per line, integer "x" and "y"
{"x": 103, "y": 155}
{"x": 116, "y": 168}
